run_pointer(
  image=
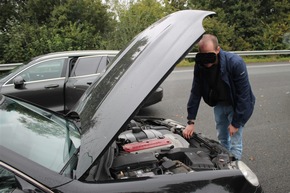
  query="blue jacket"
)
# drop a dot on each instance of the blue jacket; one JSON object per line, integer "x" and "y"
{"x": 234, "y": 73}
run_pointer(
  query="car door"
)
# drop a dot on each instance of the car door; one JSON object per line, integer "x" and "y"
{"x": 85, "y": 71}
{"x": 41, "y": 83}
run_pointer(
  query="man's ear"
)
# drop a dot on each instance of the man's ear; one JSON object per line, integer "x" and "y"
{"x": 218, "y": 50}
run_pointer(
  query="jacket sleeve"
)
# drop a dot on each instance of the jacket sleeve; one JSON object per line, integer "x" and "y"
{"x": 243, "y": 97}
{"x": 195, "y": 96}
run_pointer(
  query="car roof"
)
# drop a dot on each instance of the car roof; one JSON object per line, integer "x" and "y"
{"x": 75, "y": 53}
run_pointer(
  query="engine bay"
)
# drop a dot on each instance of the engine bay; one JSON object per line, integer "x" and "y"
{"x": 150, "y": 146}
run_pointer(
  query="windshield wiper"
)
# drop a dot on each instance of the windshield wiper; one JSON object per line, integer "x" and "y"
{"x": 72, "y": 161}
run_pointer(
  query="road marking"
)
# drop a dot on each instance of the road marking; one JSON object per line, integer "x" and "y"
{"x": 269, "y": 65}
{"x": 248, "y": 66}
{"x": 181, "y": 71}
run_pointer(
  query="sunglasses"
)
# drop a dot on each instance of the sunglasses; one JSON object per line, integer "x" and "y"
{"x": 205, "y": 58}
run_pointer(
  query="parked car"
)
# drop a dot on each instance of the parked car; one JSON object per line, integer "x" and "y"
{"x": 57, "y": 80}
{"x": 103, "y": 146}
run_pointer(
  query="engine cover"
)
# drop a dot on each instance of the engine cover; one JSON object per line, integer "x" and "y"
{"x": 151, "y": 141}
{"x": 147, "y": 144}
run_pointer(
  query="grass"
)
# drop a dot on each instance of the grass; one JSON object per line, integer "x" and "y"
{"x": 247, "y": 59}
{"x": 266, "y": 59}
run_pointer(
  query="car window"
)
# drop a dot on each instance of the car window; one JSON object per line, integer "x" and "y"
{"x": 103, "y": 64}
{"x": 110, "y": 59}
{"x": 89, "y": 65}
{"x": 44, "y": 70}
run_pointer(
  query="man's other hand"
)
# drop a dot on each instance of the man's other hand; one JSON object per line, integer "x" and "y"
{"x": 232, "y": 130}
{"x": 188, "y": 131}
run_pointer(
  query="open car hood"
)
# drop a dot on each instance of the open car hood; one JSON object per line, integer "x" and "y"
{"x": 111, "y": 102}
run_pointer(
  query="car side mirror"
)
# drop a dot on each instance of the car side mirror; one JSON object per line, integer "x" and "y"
{"x": 18, "y": 82}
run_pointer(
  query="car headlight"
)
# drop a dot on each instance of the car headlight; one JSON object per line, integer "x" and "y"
{"x": 248, "y": 173}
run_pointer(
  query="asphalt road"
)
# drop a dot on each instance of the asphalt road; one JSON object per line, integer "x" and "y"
{"x": 266, "y": 135}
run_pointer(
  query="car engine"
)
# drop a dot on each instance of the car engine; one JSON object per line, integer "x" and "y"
{"x": 150, "y": 146}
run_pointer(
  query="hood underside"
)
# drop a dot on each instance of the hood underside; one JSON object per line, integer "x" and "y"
{"x": 136, "y": 72}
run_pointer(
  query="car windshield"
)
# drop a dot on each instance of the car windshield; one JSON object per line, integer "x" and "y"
{"x": 37, "y": 135}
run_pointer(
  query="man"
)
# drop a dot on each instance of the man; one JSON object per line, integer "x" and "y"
{"x": 221, "y": 79}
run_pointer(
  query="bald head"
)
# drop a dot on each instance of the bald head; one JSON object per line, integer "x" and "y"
{"x": 208, "y": 43}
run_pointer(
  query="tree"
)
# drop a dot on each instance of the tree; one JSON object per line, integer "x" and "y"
{"x": 37, "y": 12}
{"x": 62, "y": 25}
{"x": 133, "y": 17}
{"x": 275, "y": 18}
{"x": 9, "y": 13}
{"x": 239, "y": 16}
{"x": 223, "y": 31}
{"x": 257, "y": 25}
{"x": 175, "y": 5}
{"x": 33, "y": 27}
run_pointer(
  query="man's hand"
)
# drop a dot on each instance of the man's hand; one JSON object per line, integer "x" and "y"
{"x": 188, "y": 131}
{"x": 232, "y": 130}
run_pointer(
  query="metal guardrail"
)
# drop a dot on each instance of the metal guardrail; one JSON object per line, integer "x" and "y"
{"x": 7, "y": 67}
{"x": 252, "y": 53}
